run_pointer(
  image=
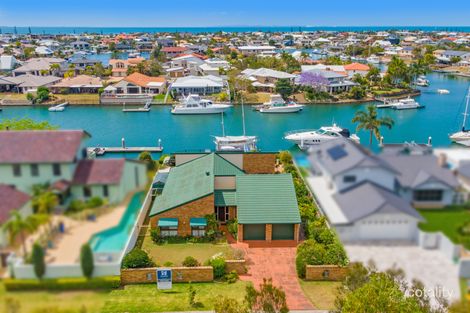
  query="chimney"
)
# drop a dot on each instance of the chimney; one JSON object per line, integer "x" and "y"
{"x": 442, "y": 160}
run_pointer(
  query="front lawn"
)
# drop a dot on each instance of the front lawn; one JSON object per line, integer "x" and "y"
{"x": 448, "y": 221}
{"x": 322, "y": 294}
{"x": 147, "y": 298}
{"x": 177, "y": 252}
{"x": 44, "y": 301}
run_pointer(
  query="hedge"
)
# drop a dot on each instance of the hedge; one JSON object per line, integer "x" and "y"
{"x": 62, "y": 284}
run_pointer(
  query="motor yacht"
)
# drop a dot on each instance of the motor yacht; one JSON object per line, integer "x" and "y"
{"x": 406, "y": 104}
{"x": 194, "y": 104}
{"x": 277, "y": 104}
{"x": 307, "y": 138}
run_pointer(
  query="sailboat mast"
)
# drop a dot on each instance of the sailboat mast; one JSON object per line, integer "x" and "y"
{"x": 243, "y": 117}
{"x": 223, "y": 126}
{"x": 466, "y": 110}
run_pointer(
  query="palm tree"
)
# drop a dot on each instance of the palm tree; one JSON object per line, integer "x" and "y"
{"x": 17, "y": 225}
{"x": 54, "y": 68}
{"x": 368, "y": 120}
{"x": 45, "y": 202}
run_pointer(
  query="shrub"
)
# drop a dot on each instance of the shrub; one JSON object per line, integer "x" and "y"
{"x": 168, "y": 264}
{"x": 228, "y": 305}
{"x": 137, "y": 258}
{"x": 76, "y": 206}
{"x": 231, "y": 277}
{"x": 94, "y": 202}
{"x": 232, "y": 226}
{"x": 191, "y": 295}
{"x": 218, "y": 266}
{"x": 146, "y": 157}
{"x": 86, "y": 261}
{"x": 62, "y": 284}
{"x": 189, "y": 261}
{"x": 37, "y": 258}
{"x": 285, "y": 157}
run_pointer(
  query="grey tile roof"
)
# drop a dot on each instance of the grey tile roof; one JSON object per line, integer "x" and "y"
{"x": 415, "y": 170}
{"x": 368, "y": 198}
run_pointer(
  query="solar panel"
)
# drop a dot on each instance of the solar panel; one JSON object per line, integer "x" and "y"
{"x": 337, "y": 152}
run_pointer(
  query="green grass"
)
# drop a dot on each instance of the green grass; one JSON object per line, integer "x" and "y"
{"x": 177, "y": 252}
{"x": 147, "y": 298}
{"x": 322, "y": 294}
{"x": 52, "y": 302}
{"x": 447, "y": 220}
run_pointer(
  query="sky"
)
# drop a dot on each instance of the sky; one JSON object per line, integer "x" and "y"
{"x": 201, "y": 13}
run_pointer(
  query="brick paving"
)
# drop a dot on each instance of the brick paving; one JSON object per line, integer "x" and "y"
{"x": 279, "y": 264}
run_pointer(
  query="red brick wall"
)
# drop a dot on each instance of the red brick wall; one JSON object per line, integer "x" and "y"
{"x": 180, "y": 275}
{"x": 317, "y": 272}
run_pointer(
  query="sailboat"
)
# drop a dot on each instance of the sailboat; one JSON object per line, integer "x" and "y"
{"x": 235, "y": 143}
{"x": 463, "y": 137}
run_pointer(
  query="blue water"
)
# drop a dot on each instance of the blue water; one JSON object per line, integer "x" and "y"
{"x": 108, "y": 125}
{"x": 234, "y": 29}
{"x": 114, "y": 239}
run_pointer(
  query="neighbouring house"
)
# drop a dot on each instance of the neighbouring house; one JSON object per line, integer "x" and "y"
{"x": 201, "y": 85}
{"x": 43, "y": 51}
{"x": 231, "y": 186}
{"x": 265, "y": 79}
{"x": 78, "y": 84}
{"x": 120, "y": 67}
{"x": 356, "y": 68}
{"x": 337, "y": 81}
{"x": 58, "y": 158}
{"x": 190, "y": 62}
{"x": 171, "y": 52}
{"x": 344, "y": 174}
{"x": 6, "y": 85}
{"x": 7, "y": 63}
{"x": 11, "y": 199}
{"x": 261, "y": 50}
{"x": 445, "y": 56}
{"x": 37, "y": 66}
{"x": 80, "y": 64}
{"x": 80, "y": 45}
{"x": 137, "y": 83}
{"x": 30, "y": 83}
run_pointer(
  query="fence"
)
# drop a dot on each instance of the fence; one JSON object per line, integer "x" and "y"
{"x": 197, "y": 274}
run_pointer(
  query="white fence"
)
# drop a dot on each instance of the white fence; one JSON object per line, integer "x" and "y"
{"x": 106, "y": 264}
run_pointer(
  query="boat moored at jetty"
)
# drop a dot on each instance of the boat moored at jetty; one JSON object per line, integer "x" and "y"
{"x": 307, "y": 138}
{"x": 194, "y": 104}
{"x": 235, "y": 143}
{"x": 443, "y": 91}
{"x": 406, "y": 104}
{"x": 58, "y": 108}
{"x": 276, "y": 104}
{"x": 145, "y": 108}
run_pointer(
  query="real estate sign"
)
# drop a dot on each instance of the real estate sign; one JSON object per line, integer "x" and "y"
{"x": 164, "y": 278}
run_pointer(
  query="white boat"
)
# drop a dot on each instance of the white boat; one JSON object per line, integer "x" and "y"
{"x": 194, "y": 104}
{"x": 145, "y": 108}
{"x": 422, "y": 81}
{"x": 58, "y": 108}
{"x": 277, "y": 105}
{"x": 307, "y": 138}
{"x": 406, "y": 104}
{"x": 443, "y": 91}
{"x": 373, "y": 59}
{"x": 463, "y": 137}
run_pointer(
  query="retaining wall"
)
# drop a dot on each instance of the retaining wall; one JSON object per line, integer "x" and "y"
{"x": 325, "y": 272}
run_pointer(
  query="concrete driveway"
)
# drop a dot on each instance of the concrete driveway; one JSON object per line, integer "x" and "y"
{"x": 431, "y": 267}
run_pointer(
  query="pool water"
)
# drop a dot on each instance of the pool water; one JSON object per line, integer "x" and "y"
{"x": 113, "y": 239}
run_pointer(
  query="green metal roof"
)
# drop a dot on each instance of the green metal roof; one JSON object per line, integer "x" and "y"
{"x": 222, "y": 167}
{"x": 168, "y": 222}
{"x": 225, "y": 197}
{"x": 185, "y": 183}
{"x": 266, "y": 199}
{"x": 192, "y": 180}
{"x": 198, "y": 221}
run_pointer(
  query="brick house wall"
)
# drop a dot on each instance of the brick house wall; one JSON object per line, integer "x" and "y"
{"x": 259, "y": 163}
{"x": 197, "y": 208}
{"x": 180, "y": 275}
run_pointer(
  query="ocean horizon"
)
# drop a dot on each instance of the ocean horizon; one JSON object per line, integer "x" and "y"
{"x": 211, "y": 29}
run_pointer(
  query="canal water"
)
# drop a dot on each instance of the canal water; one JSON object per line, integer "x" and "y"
{"x": 107, "y": 125}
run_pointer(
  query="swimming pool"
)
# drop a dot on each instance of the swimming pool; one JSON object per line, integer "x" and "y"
{"x": 113, "y": 239}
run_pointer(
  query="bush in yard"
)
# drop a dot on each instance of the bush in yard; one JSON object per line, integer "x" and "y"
{"x": 218, "y": 265}
{"x": 86, "y": 261}
{"x": 285, "y": 157}
{"x": 267, "y": 299}
{"x": 147, "y": 158}
{"x": 137, "y": 258}
{"x": 189, "y": 261}
{"x": 228, "y": 305}
{"x": 76, "y": 206}
{"x": 231, "y": 277}
{"x": 37, "y": 258}
{"x": 232, "y": 226}
{"x": 94, "y": 202}
{"x": 168, "y": 264}
{"x": 191, "y": 295}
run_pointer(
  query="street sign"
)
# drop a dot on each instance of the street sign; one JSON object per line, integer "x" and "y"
{"x": 164, "y": 278}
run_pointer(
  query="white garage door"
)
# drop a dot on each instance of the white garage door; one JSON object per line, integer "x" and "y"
{"x": 387, "y": 229}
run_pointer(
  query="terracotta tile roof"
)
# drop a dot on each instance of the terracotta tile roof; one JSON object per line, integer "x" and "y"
{"x": 174, "y": 49}
{"x": 356, "y": 67}
{"x": 98, "y": 171}
{"x": 12, "y": 199}
{"x": 40, "y": 146}
{"x": 60, "y": 185}
{"x": 80, "y": 80}
{"x": 143, "y": 80}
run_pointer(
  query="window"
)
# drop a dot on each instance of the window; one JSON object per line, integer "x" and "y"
{"x": 349, "y": 179}
{"x": 86, "y": 191}
{"x": 16, "y": 170}
{"x": 34, "y": 170}
{"x": 198, "y": 231}
{"x": 168, "y": 231}
{"x": 56, "y": 170}
{"x": 105, "y": 191}
{"x": 428, "y": 195}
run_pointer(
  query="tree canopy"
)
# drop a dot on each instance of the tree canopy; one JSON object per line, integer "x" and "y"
{"x": 25, "y": 124}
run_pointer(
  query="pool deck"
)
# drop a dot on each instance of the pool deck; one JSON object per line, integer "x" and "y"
{"x": 66, "y": 248}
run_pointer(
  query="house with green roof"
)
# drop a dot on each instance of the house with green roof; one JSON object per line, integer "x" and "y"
{"x": 264, "y": 203}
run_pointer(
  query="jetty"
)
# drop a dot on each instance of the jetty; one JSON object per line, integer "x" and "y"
{"x": 98, "y": 151}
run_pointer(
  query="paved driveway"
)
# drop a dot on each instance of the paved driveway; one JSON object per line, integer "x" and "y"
{"x": 278, "y": 264}
{"x": 429, "y": 266}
